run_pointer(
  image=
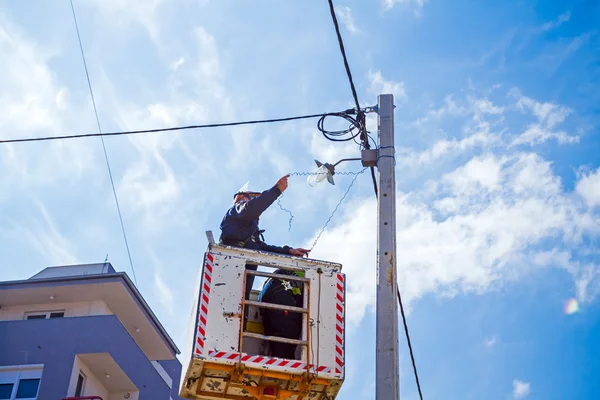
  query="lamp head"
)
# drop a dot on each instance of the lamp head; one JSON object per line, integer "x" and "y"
{"x": 324, "y": 171}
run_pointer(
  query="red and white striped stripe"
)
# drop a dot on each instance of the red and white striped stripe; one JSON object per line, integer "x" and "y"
{"x": 203, "y": 308}
{"x": 261, "y": 360}
{"x": 339, "y": 324}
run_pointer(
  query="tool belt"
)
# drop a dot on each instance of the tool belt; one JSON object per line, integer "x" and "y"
{"x": 242, "y": 243}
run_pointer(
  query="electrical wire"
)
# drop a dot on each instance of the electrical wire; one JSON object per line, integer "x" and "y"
{"x": 287, "y": 211}
{"x": 335, "y": 209}
{"x": 306, "y": 174}
{"x": 412, "y": 357}
{"x": 374, "y": 181}
{"x": 112, "y": 183}
{"x": 338, "y": 136}
{"x": 175, "y": 128}
{"x": 361, "y": 116}
{"x": 341, "y": 43}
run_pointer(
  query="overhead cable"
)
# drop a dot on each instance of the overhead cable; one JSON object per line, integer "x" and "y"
{"x": 341, "y": 43}
{"x": 412, "y": 357}
{"x": 112, "y": 183}
{"x": 170, "y": 129}
{"x": 361, "y": 116}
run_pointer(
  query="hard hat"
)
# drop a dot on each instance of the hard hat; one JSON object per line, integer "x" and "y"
{"x": 244, "y": 190}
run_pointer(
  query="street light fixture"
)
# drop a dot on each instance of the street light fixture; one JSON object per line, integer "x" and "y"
{"x": 326, "y": 170}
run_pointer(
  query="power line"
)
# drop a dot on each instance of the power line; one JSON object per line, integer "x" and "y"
{"x": 361, "y": 116}
{"x": 112, "y": 183}
{"x": 175, "y": 128}
{"x": 341, "y": 43}
{"x": 309, "y": 174}
{"x": 412, "y": 357}
{"x": 336, "y": 208}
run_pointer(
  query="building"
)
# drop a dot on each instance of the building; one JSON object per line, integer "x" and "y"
{"x": 79, "y": 331}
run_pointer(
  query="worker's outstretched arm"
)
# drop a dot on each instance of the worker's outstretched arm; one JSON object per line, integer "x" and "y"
{"x": 299, "y": 252}
{"x": 252, "y": 209}
{"x": 275, "y": 249}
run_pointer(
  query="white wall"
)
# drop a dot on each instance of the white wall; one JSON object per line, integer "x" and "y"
{"x": 92, "y": 387}
{"x": 121, "y": 396}
{"x": 79, "y": 309}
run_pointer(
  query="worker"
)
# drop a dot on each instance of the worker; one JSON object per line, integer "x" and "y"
{"x": 283, "y": 323}
{"x": 239, "y": 227}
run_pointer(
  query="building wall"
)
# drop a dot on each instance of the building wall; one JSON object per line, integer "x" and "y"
{"x": 79, "y": 309}
{"x": 56, "y": 342}
{"x": 173, "y": 368}
{"x": 92, "y": 387}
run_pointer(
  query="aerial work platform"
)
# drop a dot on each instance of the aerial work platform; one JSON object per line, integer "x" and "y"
{"x": 223, "y": 361}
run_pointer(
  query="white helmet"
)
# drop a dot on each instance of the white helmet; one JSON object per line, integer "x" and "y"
{"x": 244, "y": 189}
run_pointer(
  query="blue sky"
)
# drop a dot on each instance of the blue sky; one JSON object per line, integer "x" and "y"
{"x": 498, "y": 173}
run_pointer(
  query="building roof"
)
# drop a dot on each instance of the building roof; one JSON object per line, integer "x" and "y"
{"x": 88, "y": 282}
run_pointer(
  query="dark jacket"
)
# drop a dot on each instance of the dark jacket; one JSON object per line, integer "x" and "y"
{"x": 272, "y": 286}
{"x": 240, "y": 225}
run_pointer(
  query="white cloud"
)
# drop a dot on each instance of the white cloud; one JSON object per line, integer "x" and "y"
{"x": 521, "y": 389}
{"x": 379, "y": 85}
{"x": 485, "y": 106}
{"x": 150, "y": 187}
{"x": 479, "y": 172}
{"x": 549, "y": 116}
{"x": 445, "y": 147}
{"x": 163, "y": 292}
{"x": 35, "y": 103}
{"x": 45, "y": 237}
{"x": 484, "y": 126}
{"x": 352, "y": 243}
{"x": 498, "y": 211}
{"x": 588, "y": 187}
{"x": 565, "y": 17}
{"x": 490, "y": 342}
{"x": 418, "y": 4}
{"x": 587, "y": 282}
{"x": 537, "y": 135}
{"x": 176, "y": 64}
{"x": 125, "y": 13}
{"x": 345, "y": 15}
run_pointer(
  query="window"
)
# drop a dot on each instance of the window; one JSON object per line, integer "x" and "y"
{"x": 28, "y": 388}
{"x": 80, "y": 384}
{"x": 44, "y": 314}
{"x": 20, "y": 382}
{"x": 6, "y": 390}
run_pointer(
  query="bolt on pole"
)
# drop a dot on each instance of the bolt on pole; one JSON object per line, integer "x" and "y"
{"x": 386, "y": 369}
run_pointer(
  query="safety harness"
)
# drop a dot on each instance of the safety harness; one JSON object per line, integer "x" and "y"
{"x": 294, "y": 287}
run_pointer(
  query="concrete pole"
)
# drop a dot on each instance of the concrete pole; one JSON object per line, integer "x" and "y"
{"x": 387, "y": 372}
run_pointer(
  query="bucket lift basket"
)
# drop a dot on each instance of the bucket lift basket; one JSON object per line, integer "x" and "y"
{"x": 227, "y": 362}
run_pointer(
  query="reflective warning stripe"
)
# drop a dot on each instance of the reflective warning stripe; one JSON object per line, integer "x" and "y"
{"x": 203, "y": 307}
{"x": 339, "y": 327}
{"x": 266, "y": 361}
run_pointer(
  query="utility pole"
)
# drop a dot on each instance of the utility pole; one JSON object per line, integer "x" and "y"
{"x": 387, "y": 373}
